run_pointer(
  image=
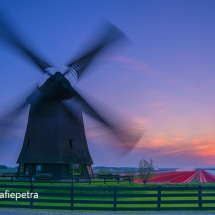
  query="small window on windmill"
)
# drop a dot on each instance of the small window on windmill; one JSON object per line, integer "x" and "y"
{"x": 70, "y": 144}
{"x": 78, "y": 169}
{"x": 81, "y": 168}
{"x": 21, "y": 169}
{"x": 70, "y": 169}
{"x": 38, "y": 168}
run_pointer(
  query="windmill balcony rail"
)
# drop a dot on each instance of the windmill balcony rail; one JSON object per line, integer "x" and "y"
{"x": 41, "y": 177}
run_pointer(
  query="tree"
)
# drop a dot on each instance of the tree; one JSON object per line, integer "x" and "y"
{"x": 146, "y": 169}
{"x": 104, "y": 172}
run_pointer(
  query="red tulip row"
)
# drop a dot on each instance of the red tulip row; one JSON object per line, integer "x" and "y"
{"x": 162, "y": 177}
{"x": 173, "y": 177}
{"x": 183, "y": 177}
{"x": 191, "y": 178}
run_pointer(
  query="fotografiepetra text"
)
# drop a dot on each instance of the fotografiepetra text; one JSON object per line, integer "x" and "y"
{"x": 11, "y": 195}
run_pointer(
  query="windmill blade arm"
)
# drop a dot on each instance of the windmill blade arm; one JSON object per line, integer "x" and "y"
{"x": 126, "y": 137}
{"x": 78, "y": 103}
{"x": 80, "y": 65}
{"x": 9, "y": 35}
{"x": 10, "y": 127}
{"x": 7, "y": 120}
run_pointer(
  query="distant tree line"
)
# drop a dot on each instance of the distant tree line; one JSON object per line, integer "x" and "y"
{"x": 3, "y": 167}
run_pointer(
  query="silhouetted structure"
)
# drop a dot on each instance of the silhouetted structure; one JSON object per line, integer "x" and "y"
{"x": 55, "y": 141}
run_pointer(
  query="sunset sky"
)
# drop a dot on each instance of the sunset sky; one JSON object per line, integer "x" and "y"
{"x": 164, "y": 79}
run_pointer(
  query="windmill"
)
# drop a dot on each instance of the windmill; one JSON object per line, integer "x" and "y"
{"x": 55, "y": 140}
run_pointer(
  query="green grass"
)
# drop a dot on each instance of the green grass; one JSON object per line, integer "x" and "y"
{"x": 109, "y": 184}
{"x": 8, "y": 170}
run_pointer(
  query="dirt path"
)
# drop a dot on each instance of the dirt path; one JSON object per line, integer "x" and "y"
{"x": 6, "y": 211}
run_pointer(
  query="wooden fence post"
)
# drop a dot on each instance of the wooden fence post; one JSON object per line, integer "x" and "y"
{"x": 114, "y": 204}
{"x": 159, "y": 197}
{"x": 72, "y": 197}
{"x": 200, "y": 196}
{"x": 31, "y": 191}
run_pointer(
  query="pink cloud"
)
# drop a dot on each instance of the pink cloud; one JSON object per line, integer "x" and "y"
{"x": 201, "y": 148}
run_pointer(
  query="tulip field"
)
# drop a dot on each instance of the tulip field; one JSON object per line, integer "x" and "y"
{"x": 195, "y": 176}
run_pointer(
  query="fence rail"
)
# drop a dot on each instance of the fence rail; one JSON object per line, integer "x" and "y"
{"x": 5, "y": 177}
{"x": 111, "y": 199}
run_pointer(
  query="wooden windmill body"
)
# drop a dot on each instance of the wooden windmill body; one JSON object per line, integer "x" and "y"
{"x": 55, "y": 141}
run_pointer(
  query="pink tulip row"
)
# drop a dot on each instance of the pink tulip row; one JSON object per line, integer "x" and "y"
{"x": 181, "y": 177}
{"x": 201, "y": 177}
{"x": 191, "y": 178}
{"x": 208, "y": 177}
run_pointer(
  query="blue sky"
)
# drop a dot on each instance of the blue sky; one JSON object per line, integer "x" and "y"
{"x": 164, "y": 80}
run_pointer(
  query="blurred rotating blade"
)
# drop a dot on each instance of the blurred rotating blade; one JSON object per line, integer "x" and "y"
{"x": 10, "y": 130}
{"x": 127, "y": 137}
{"x": 10, "y": 36}
{"x": 7, "y": 120}
{"x": 110, "y": 36}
